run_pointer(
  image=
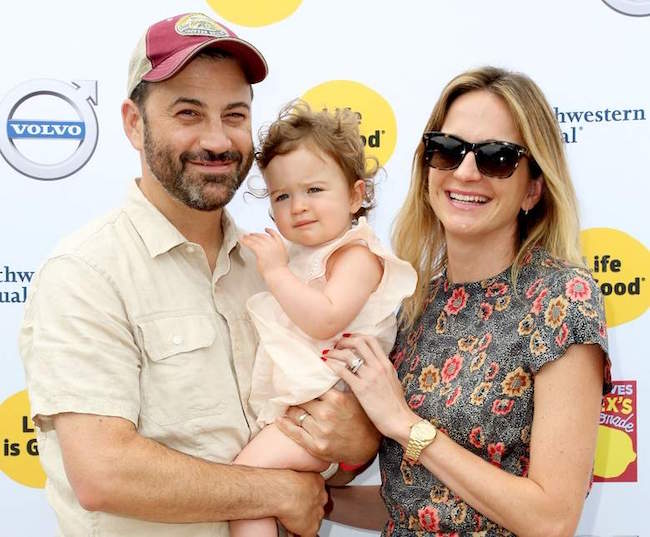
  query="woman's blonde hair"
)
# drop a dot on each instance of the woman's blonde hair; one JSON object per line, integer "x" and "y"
{"x": 418, "y": 236}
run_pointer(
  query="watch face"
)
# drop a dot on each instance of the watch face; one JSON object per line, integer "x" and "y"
{"x": 423, "y": 431}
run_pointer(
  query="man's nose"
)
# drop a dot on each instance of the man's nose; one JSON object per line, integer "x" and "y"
{"x": 215, "y": 138}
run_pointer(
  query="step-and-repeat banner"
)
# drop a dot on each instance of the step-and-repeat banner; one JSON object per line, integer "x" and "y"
{"x": 66, "y": 160}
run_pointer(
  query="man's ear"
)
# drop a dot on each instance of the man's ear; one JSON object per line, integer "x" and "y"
{"x": 133, "y": 124}
{"x": 534, "y": 194}
{"x": 357, "y": 195}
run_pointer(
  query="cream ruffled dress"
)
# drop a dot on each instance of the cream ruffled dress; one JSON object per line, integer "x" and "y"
{"x": 288, "y": 369}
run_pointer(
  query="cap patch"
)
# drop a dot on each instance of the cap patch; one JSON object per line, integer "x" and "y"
{"x": 199, "y": 24}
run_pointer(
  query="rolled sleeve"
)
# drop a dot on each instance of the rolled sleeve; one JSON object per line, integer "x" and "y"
{"x": 77, "y": 344}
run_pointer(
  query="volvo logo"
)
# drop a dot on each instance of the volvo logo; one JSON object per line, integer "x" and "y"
{"x": 78, "y": 95}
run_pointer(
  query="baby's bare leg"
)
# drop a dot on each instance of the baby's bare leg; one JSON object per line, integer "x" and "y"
{"x": 272, "y": 449}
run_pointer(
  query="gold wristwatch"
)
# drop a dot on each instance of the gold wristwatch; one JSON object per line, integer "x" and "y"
{"x": 421, "y": 435}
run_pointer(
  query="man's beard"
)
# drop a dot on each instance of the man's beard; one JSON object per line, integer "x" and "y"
{"x": 190, "y": 187}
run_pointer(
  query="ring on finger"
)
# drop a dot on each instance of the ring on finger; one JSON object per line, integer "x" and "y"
{"x": 302, "y": 417}
{"x": 356, "y": 365}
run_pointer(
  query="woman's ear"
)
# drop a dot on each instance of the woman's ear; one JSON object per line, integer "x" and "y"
{"x": 533, "y": 195}
{"x": 357, "y": 195}
{"x": 133, "y": 124}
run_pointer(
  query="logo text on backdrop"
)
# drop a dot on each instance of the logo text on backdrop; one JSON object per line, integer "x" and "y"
{"x": 83, "y": 130}
{"x": 572, "y": 122}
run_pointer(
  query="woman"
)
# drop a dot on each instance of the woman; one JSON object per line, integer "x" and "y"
{"x": 490, "y": 406}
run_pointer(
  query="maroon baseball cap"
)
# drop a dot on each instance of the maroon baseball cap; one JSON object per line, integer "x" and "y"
{"x": 168, "y": 45}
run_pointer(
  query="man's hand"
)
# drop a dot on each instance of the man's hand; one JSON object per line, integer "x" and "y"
{"x": 132, "y": 476}
{"x": 305, "y": 500}
{"x": 336, "y": 428}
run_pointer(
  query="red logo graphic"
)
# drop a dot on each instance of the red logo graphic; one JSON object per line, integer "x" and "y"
{"x": 616, "y": 453}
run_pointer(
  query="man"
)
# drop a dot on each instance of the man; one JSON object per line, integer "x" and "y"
{"x": 136, "y": 343}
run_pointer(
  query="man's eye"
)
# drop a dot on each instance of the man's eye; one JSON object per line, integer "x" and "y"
{"x": 281, "y": 197}
{"x": 187, "y": 113}
{"x": 236, "y": 116}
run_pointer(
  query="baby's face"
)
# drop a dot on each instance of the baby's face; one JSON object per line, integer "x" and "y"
{"x": 310, "y": 198}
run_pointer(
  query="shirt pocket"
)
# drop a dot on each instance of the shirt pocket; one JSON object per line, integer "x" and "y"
{"x": 177, "y": 381}
{"x": 176, "y": 335}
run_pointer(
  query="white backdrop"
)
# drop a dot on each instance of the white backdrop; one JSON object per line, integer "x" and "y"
{"x": 587, "y": 57}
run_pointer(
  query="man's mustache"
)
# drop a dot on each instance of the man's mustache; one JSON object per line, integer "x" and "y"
{"x": 210, "y": 156}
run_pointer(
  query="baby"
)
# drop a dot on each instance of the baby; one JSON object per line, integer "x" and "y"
{"x": 334, "y": 277}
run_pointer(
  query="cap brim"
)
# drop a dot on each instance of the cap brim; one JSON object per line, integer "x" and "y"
{"x": 250, "y": 59}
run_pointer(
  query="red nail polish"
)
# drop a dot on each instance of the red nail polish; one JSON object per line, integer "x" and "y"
{"x": 325, "y": 351}
{"x": 346, "y": 335}
{"x": 323, "y": 358}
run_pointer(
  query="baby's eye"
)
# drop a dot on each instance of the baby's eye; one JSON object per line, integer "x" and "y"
{"x": 281, "y": 197}
{"x": 314, "y": 189}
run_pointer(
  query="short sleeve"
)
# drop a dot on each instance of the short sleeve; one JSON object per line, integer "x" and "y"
{"x": 77, "y": 345}
{"x": 566, "y": 308}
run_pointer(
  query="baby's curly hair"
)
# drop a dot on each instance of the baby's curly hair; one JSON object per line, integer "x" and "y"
{"x": 336, "y": 134}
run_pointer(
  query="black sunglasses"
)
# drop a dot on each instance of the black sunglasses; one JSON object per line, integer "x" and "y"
{"x": 493, "y": 158}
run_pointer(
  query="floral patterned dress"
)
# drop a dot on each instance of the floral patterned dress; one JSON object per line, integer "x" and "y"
{"x": 468, "y": 365}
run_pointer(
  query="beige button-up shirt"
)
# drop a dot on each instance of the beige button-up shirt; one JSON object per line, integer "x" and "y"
{"x": 126, "y": 319}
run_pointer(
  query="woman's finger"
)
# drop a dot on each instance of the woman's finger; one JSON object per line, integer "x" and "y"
{"x": 341, "y": 369}
{"x": 354, "y": 361}
{"x": 374, "y": 345}
{"x": 361, "y": 347}
{"x": 346, "y": 356}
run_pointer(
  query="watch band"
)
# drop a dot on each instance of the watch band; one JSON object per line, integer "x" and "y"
{"x": 421, "y": 435}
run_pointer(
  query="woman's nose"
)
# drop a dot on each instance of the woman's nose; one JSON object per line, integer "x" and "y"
{"x": 467, "y": 170}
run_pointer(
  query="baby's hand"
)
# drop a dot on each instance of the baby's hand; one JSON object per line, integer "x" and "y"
{"x": 268, "y": 248}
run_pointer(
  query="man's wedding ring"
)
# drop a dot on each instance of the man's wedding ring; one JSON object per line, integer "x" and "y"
{"x": 302, "y": 417}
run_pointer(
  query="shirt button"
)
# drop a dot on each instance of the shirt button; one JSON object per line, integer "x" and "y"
{"x": 177, "y": 340}
{"x": 189, "y": 249}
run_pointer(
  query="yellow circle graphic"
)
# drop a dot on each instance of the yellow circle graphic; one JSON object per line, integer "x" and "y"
{"x": 620, "y": 265}
{"x": 614, "y": 452}
{"x": 19, "y": 452}
{"x": 377, "y": 123}
{"x": 254, "y": 12}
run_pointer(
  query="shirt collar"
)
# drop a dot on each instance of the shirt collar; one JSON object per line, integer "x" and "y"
{"x": 231, "y": 232}
{"x": 159, "y": 234}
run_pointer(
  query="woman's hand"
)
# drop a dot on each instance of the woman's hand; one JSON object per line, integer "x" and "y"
{"x": 269, "y": 249}
{"x": 375, "y": 383}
